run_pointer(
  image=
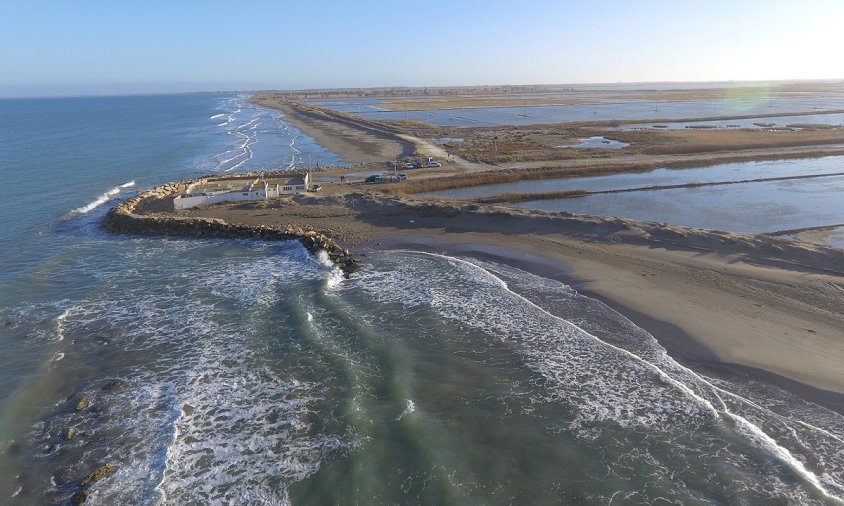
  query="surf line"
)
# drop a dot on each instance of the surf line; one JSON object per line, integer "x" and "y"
{"x": 292, "y": 164}
{"x": 102, "y": 199}
{"x": 654, "y": 368}
{"x": 749, "y": 429}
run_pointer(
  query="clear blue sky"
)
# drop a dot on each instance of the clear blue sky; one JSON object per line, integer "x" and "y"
{"x": 92, "y": 47}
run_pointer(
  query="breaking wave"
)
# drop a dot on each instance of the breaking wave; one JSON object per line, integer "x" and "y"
{"x": 102, "y": 199}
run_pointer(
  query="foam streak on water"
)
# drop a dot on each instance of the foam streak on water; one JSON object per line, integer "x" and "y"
{"x": 256, "y": 138}
{"x": 631, "y": 381}
{"x": 102, "y": 199}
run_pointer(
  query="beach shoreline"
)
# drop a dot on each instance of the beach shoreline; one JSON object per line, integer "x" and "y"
{"x": 759, "y": 306}
{"x": 686, "y": 349}
{"x": 754, "y": 301}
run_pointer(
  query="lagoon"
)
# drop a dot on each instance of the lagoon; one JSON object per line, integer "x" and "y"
{"x": 604, "y": 111}
{"x": 752, "y": 207}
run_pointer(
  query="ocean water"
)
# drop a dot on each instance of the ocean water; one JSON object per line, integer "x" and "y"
{"x": 242, "y": 372}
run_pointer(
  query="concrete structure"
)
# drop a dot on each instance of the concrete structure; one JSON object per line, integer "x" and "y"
{"x": 206, "y": 192}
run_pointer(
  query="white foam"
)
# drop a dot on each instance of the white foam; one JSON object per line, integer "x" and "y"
{"x": 59, "y": 325}
{"x": 335, "y": 275}
{"x": 410, "y": 407}
{"x": 217, "y": 116}
{"x": 294, "y": 152}
{"x": 335, "y": 278}
{"x": 629, "y": 389}
{"x": 102, "y": 199}
{"x": 763, "y": 440}
{"x": 16, "y": 492}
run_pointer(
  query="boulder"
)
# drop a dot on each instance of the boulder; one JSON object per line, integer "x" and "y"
{"x": 70, "y": 433}
{"x": 100, "y": 473}
{"x": 83, "y": 403}
{"x": 80, "y": 497}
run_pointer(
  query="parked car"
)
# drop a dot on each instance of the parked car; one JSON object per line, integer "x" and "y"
{"x": 375, "y": 178}
{"x": 408, "y": 165}
{"x": 432, "y": 163}
{"x": 316, "y": 188}
{"x": 402, "y": 176}
{"x": 417, "y": 164}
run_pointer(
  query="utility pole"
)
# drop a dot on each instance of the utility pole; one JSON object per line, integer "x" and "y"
{"x": 495, "y": 149}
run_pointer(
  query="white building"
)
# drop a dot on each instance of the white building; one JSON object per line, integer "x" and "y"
{"x": 235, "y": 189}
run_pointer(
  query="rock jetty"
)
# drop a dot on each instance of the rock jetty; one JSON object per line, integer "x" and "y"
{"x": 129, "y": 218}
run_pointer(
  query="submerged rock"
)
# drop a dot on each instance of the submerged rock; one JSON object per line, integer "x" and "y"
{"x": 80, "y": 497}
{"x": 112, "y": 385}
{"x": 83, "y": 403}
{"x": 100, "y": 473}
{"x": 70, "y": 433}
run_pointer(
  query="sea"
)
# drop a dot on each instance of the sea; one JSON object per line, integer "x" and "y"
{"x": 248, "y": 372}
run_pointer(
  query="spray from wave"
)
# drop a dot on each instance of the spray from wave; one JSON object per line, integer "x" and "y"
{"x": 102, "y": 199}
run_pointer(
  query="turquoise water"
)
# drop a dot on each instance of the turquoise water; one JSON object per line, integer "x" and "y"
{"x": 243, "y": 372}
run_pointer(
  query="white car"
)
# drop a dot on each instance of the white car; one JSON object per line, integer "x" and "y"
{"x": 434, "y": 164}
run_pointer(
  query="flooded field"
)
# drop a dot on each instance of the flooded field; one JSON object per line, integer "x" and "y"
{"x": 751, "y": 207}
{"x": 376, "y": 109}
{"x": 598, "y": 142}
{"x": 836, "y": 238}
{"x": 832, "y": 119}
{"x": 660, "y": 177}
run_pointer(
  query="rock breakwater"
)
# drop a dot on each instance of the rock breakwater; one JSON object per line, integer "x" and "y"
{"x": 129, "y": 218}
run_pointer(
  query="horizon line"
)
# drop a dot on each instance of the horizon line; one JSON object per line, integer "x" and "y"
{"x": 412, "y": 87}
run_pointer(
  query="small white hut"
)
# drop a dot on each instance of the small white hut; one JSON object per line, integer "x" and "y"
{"x": 234, "y": 189}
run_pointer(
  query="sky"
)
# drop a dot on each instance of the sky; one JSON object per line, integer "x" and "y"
{"x": 84, "y": 47}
